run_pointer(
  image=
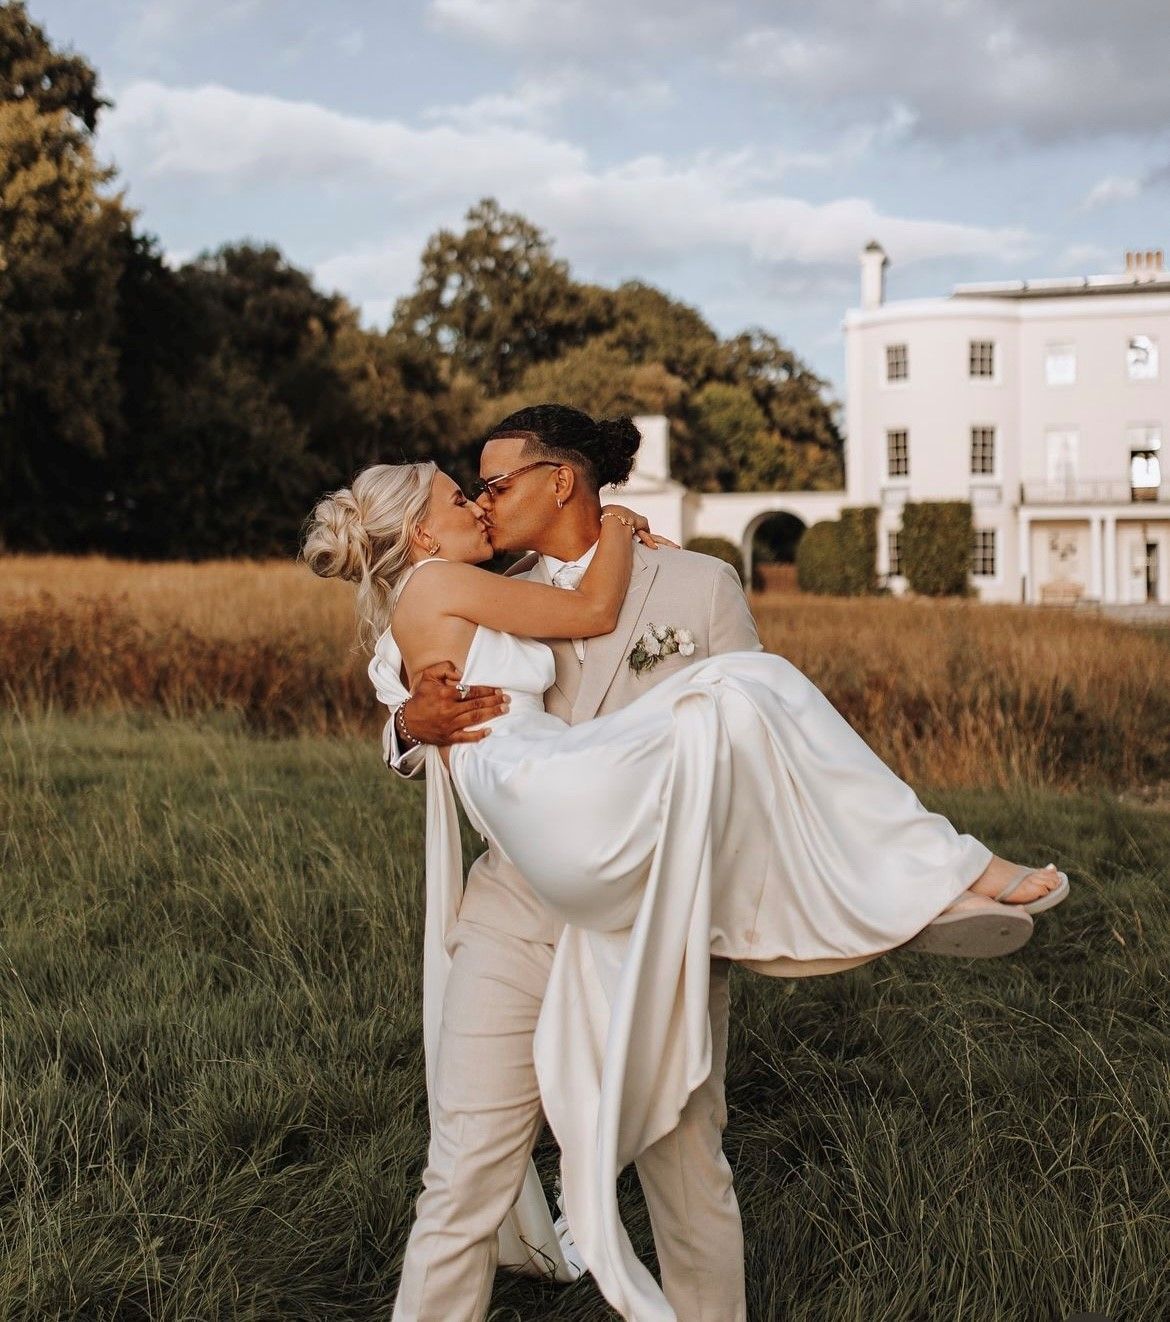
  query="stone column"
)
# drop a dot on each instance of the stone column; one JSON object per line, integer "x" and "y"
{"x": 1110, "y": 588}
{"x": 1028, "y": 593}
{"x": 1095, "y": 580}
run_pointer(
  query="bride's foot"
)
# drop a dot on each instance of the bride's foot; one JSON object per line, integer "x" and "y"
{"x": 1035, "y": 885}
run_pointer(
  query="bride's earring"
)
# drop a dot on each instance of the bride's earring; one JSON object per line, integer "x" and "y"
{"x": 433, "y": 547}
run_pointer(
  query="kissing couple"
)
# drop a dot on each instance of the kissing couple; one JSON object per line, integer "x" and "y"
{"x": 659, "y": 797}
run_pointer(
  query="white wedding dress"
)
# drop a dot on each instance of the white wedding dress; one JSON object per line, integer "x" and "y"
{"x": 730, "y": 811}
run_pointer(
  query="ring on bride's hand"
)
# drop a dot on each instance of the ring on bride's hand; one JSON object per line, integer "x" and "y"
{"x": 463, "y": 690}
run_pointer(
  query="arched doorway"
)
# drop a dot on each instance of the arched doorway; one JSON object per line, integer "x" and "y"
{"x": 769, "y": 550}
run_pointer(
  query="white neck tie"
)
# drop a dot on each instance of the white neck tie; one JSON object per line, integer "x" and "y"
{"x": 569, "y": 576}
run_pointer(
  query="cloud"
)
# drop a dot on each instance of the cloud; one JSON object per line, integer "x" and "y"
{"x": 244, "y": 138}
{"x": 643, "y": 214}
{"x": 1081, "y": 257}
{"x": 507, "y": 22}
{"x": 374, "y": 274}
{"x": 157, "y": 25}
{"x": 578, "y": 27}
{"x": 1113, "y": 188}
{"x": 1045, "y": 71}
{"x": 533, "y": 102}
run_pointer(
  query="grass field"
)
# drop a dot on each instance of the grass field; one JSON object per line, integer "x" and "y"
{"x": 211, "y": 1092}
{"x": 211, "y": 1088}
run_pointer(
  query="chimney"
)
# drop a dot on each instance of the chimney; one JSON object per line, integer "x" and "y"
{"x": 1147, "y": 265}
{"x": 653, "y": 457}
{"x": 873, "y": 275}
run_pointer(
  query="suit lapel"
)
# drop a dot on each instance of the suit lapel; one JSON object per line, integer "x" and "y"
{"x": 604, "y": 655}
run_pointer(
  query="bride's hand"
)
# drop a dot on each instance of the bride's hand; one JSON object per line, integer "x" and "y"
{"x": 641, "y": 527}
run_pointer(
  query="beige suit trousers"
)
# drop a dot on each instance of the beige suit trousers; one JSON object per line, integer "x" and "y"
{"x": 488, "y": 1119}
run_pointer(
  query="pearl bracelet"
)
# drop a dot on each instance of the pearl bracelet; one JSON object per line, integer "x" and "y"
{"x": 400, "y": 725}
{"x": 609, "y": 514}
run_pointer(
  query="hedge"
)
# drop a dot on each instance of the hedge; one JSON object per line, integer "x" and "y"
{"x": 839, "y": 557}
{"x": 721, "y": 549}
{"x": 936, "y": 547}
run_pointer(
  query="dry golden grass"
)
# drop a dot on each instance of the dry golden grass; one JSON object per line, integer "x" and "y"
{"x": 219, "y": 599}
{"x": 948, "y": 693}
{"x": 959, "y": 693}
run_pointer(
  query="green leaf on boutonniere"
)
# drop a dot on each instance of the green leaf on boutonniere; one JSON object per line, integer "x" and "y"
{"x": 656, "y": 642}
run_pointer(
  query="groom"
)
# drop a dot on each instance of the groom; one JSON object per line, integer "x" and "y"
{"x": 488, "y": 1105}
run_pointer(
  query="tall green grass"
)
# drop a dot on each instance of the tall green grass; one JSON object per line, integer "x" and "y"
{"x": 211, "y": 1090}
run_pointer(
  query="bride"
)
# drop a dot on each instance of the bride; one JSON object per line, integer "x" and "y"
{"x": 729, "y": 810}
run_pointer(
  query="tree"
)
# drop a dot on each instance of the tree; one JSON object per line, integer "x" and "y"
{"x": 651, "y": 327}
{"x": 413, "y": 404}
{"x": 33, "y": 73}
{"x": 598, "y": 378}
{"x": 791, "y": 398}
{"x": 228, "y": 471}
{"x": 732, "y": 448}
{"x": 61, "y": 247}
{"x": 495, "y": 300}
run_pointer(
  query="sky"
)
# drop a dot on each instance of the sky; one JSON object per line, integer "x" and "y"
{"x": 738, "y": 154}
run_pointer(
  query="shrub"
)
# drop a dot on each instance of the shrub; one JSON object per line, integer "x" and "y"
{"x": 936, "y": 547}
{"x": 721, "y": 549}
{"x": 818, "y": 560}
{"x": 839, "y": 558}
{"x": 857, "y": 535}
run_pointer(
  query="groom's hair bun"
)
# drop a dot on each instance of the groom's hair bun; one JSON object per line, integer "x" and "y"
{"x": 602, "y": 451}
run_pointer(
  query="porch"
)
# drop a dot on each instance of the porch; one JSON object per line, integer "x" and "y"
{"x": 1113, "y": 554}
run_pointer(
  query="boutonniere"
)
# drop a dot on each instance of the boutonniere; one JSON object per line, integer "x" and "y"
{"x": 659, "y": 641}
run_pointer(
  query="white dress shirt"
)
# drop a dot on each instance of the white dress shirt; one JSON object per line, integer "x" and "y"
{"x": 554, "y": 566}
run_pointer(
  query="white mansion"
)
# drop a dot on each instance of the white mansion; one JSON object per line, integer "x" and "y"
{"x": 1040, "y": 401}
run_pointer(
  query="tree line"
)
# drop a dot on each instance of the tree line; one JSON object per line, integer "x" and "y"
{"x": 160, "y": 412}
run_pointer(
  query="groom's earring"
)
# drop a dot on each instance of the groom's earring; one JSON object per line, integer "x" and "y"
{"x": 560, "y": 504}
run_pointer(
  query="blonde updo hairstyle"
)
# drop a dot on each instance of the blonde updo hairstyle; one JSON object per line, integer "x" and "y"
{"x": 363, "y": 533}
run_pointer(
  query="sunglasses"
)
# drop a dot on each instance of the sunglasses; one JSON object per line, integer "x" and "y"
{"x": 487, "y": 485}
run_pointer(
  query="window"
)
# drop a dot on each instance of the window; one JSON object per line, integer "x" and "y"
{"x": 983, "y": 553}
{"x": 1145, "y": 466}
{"x": 982, "y": 451}
{"x": 894, "y": 550}
{"x": 898, "y": 453}
{"x": 897, "y": 363}
{"x": 1141, "y": 358}
{"x": 1062, "y": 459}
{"x": 981, "y": 359}
{"x": 1060, "y": 364}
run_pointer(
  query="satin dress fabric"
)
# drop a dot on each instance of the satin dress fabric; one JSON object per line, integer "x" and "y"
{"x": 729, "y": 811}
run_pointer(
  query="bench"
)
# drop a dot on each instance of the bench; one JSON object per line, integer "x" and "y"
{"x": 1061, "y": 592}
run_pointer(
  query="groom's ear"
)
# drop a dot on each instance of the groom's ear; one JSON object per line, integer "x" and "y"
{"x": 564, "y": 482}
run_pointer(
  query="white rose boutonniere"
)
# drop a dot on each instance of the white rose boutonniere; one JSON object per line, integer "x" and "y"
{"x": 658, "y": 641}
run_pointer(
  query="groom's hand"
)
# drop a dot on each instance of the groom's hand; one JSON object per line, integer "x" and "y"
{"x": 435, "y": 714}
